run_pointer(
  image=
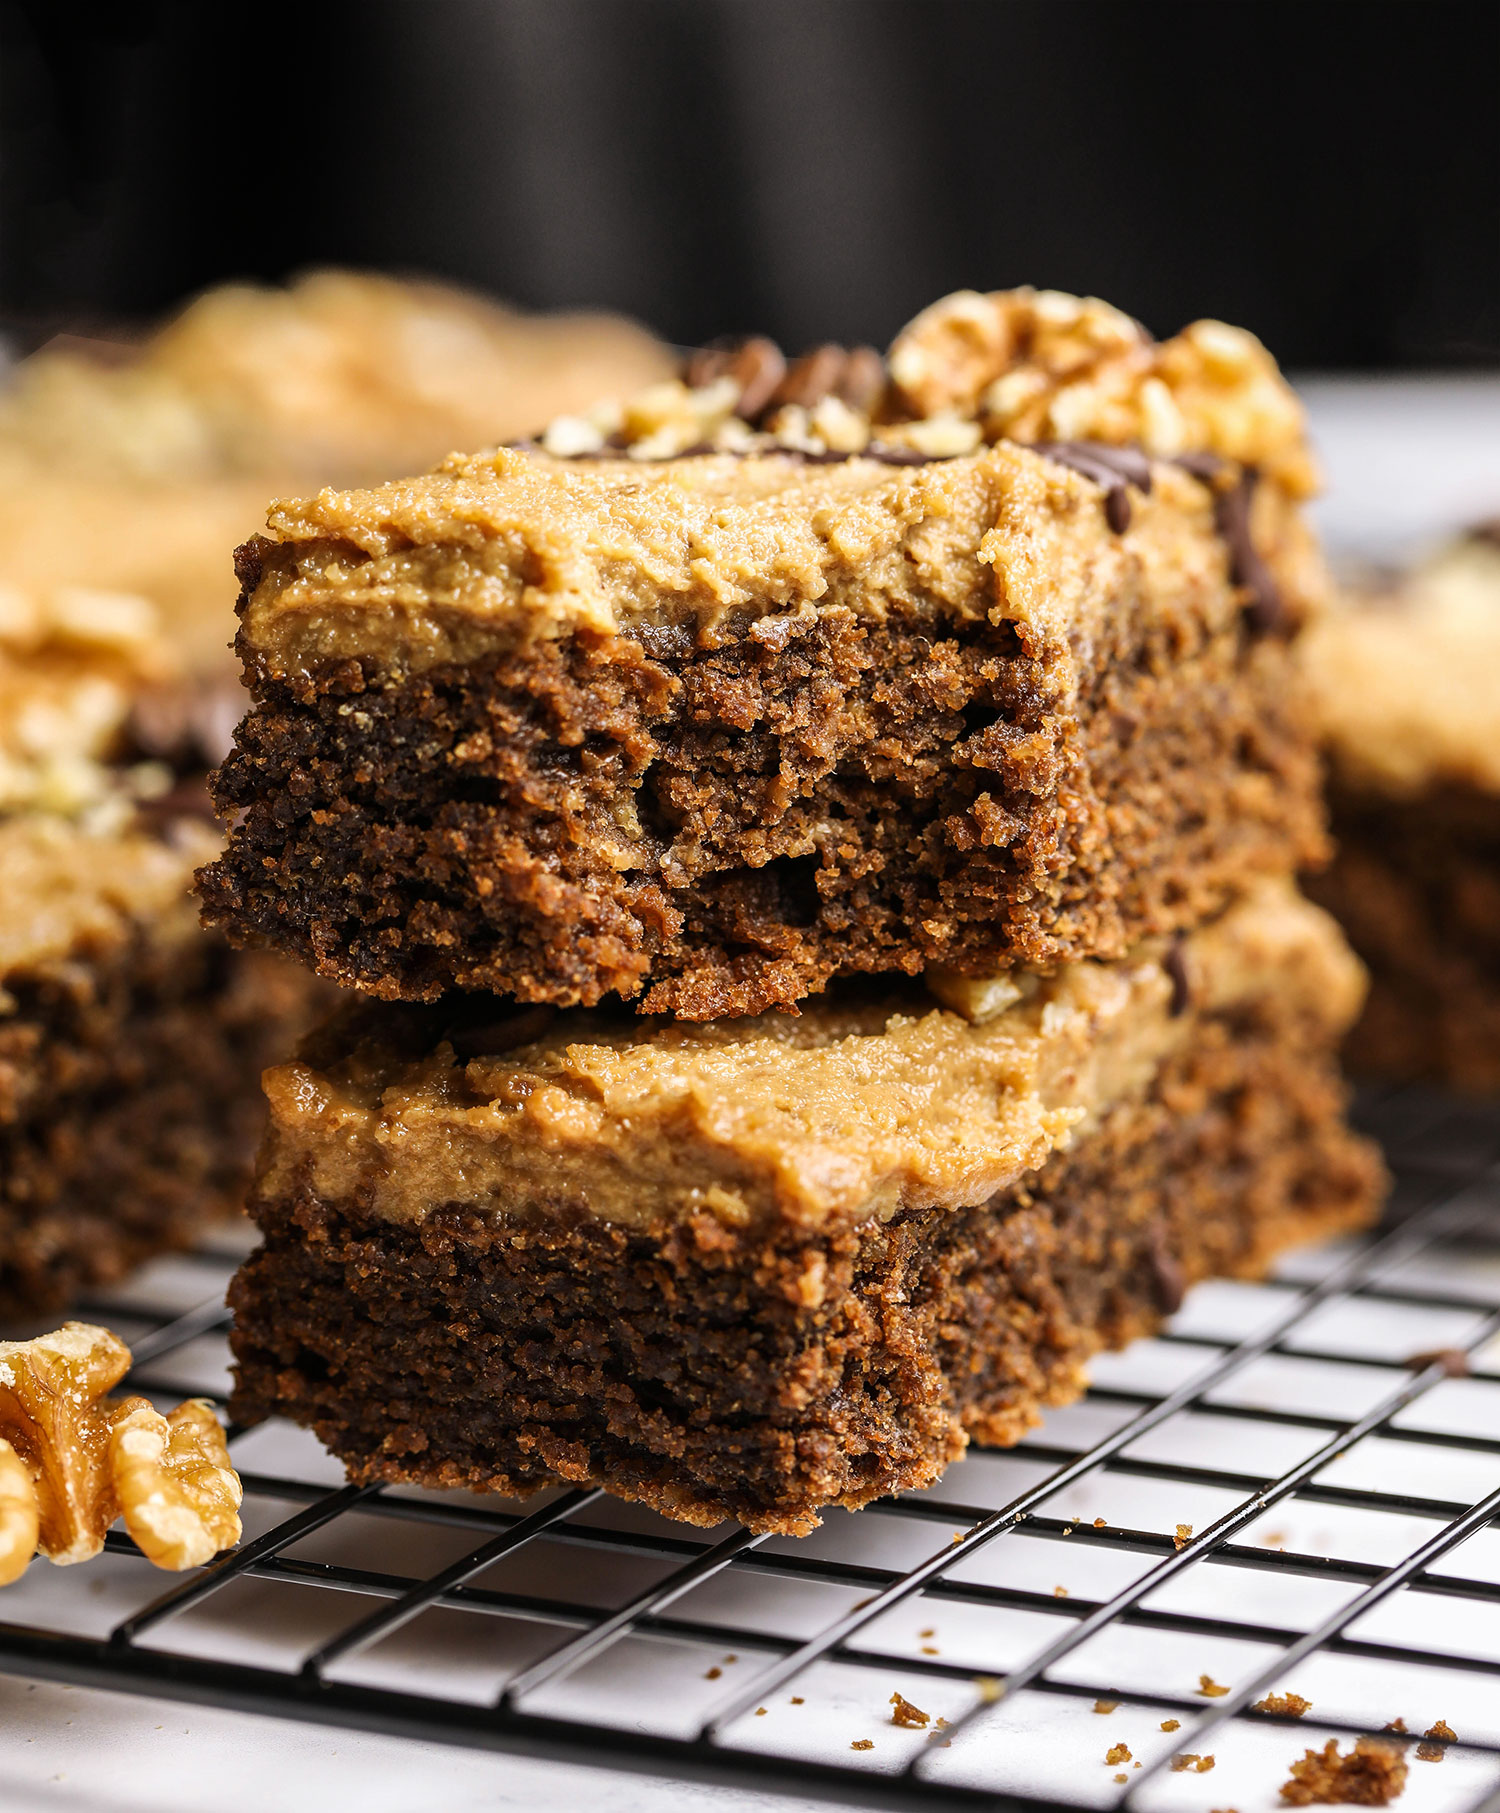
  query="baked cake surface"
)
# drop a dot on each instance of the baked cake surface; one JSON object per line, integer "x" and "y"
{"x": 766, "y": 685}
{"x": 1406, "y": 685}
{"x": 760, "y": 1267}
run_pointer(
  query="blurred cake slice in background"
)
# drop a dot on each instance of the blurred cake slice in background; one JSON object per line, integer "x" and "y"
{"x": 130, "y": 1043}
{"x": 140, "y": 465}
{"x": 1406, "y": 677}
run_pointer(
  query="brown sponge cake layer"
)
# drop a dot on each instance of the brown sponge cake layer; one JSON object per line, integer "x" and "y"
{"x": 714, "y": 823}
{"x": 1416, "y": 885}
{"x": 767, "y": 1371}
{"x": 128, "y": 1108}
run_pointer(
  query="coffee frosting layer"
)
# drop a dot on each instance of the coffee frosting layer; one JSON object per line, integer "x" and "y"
{"x": 841, "y": 1113}
{"x": 1406, "y": 682}
{"x": 516, "y": 545}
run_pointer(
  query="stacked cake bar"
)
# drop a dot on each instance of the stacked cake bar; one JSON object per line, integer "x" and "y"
{"x": 1407, "y": 685}
{"x": 815, "y": 845}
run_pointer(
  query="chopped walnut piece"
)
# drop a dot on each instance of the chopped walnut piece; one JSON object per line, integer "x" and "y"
{"x": 907, "y": 1714}
{"x": 1371, "y": 1775}
{"x": 1291, "y": 1705}
{"x": 178, "y": 1494}
{"x": 71, "y": 1461}
{"x": 757, "y": 366}
{"x": 52, "y": 1415}
{"x": 18, "y": 1514}
{"x": 1022, "y": 365}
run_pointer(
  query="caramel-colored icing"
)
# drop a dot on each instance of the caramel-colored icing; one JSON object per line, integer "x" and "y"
{"x": 68, "y": 890}
{"x": 1406, "y": 683}
{"x": 514, "y": 545}
{"x": 838, "y": 1114}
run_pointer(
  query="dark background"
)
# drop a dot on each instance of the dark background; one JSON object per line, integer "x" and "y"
{"x": 1325, "y": 172}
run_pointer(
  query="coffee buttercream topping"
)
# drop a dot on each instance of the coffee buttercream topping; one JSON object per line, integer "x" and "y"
{"x": 850, "y": 1110}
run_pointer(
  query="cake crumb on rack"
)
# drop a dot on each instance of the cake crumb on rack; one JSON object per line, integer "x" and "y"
{"x": 1430, "y": 1750}
{"x": 1105, "y": 1705}
{"x": 1372, "y": 1774}
{"x": 1210, "y": 1688}
{"x": 1183, "y": 1537}
{"x": 1117, "y": 1753}
{"x": 907, "y": 1714}
{"x": 1290, "y": 1705}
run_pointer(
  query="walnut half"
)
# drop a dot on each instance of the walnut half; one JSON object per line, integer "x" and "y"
{"x": 178, "y": 1494}
{"x": 71, "y": 1461}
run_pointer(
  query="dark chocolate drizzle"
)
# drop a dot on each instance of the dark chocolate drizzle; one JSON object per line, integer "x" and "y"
{"x": 1175, "y": 964}
{"x": 1234, "y": 488}
{"x": 1265, "y": 612}
{"x": 1170, "y": 1285}
{"x": 1114, "y": 468}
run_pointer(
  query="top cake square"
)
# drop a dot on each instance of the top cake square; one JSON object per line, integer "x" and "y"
{"x": 971, "y": 658}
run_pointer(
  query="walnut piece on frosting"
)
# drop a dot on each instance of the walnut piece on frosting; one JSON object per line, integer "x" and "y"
{"x": 1023, "y": 365}
{"x": 71, "y": 1461}
{"x": 1037, "y": 365}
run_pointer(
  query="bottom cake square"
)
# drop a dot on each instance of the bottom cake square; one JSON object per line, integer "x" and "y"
{"x": 756, "y": 1268}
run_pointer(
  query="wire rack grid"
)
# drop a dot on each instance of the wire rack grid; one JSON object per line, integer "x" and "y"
{"x": 1295, "y": 1488}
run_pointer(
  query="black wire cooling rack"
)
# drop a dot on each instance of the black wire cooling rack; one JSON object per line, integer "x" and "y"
{"x": 1295, "y": 1488}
